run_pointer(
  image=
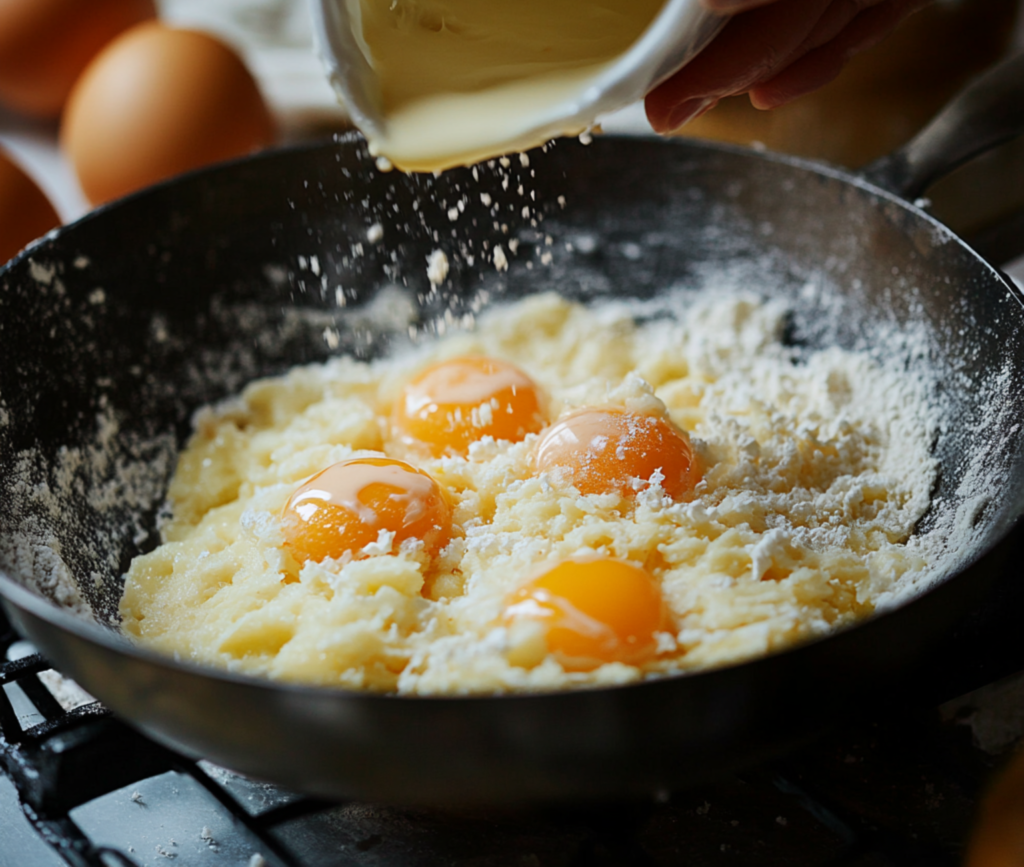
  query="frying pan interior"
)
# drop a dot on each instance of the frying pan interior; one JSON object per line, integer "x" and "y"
{"x": 115, "y": 329}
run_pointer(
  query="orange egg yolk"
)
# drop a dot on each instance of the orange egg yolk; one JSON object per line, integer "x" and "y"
{"x": 454, "y": 403}
{"x": 344, "y": 508}
{"x": 597, "y": 610}
{"x": 605, "y": 449}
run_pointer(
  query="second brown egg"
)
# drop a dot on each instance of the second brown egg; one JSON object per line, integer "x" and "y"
{"x": 156, "y": 102}
{"x": 45, "y": 45}
{"x": 25, "y": 212}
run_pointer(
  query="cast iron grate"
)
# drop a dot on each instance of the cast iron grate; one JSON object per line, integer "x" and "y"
{"x": 72, "y": 757}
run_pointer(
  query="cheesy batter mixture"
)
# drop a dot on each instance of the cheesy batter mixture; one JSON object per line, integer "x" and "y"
{"x": 778, "y": 508}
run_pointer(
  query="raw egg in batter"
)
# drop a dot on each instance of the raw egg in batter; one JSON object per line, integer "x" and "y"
{"x": 604, "y": 449}
{"x": 456, "y": 402}
{"x": 597, "y": 610}
{"x": 344, "y": 508}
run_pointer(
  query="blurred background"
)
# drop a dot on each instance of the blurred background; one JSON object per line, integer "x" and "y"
{"x": 878, "y": 102}
{"x": 272, "y": 37}
{"x": 885, "y": 95}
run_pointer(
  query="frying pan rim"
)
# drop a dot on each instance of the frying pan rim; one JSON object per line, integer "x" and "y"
{"x": 354, "y": 137}
{"x": 42, "y": 608}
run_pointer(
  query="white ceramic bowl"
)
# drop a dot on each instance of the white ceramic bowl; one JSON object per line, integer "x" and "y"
{"x": 679, "y": 32}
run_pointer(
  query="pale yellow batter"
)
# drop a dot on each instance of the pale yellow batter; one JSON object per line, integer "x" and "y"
{"x": 815, "y": 476}
{"x": 459, "y": 77}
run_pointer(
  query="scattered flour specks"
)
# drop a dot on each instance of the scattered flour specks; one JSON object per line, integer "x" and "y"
{"x": 818, "y": 468}
{"x": 437, "y": 267}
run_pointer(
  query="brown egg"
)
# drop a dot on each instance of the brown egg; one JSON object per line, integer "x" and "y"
{"x": 998, "y": 836}
{"x": 156, "y": 102}
{"x": 45, "y": 45}
{"x": 25, "y": 212}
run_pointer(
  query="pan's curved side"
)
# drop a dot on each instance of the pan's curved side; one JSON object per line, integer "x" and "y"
{"x": 232, "y": 293}
{"x": 628, "y": 741}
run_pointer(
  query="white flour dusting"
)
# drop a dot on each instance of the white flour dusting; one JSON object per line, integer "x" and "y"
{"x": 818, "y": 465}
{"x": 437, "y": 267}
{"x": 95, "y": 493}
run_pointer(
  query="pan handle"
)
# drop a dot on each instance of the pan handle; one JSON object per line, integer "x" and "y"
{"x": 988, "y": 112}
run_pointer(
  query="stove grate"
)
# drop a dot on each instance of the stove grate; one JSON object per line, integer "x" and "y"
{"x": 68, "y": 765}
{"x": 78, "y": 787}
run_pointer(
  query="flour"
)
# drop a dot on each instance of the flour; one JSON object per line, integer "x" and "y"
{"x": 437, "y": 267}
{"x": 952, "y": 535}
{"x": 90, "y": 494}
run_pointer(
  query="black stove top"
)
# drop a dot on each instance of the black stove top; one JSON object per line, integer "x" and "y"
{"x": 897, "y": 786}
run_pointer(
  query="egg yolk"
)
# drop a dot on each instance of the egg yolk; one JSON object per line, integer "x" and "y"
{"x": 597, "y": 610}
{"x": 604, "y": 449}
{"x": 345, "y": 507}
{"x": 456, "y": 402}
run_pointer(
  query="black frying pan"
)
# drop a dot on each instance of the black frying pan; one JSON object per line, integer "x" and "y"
{"x": 150, "y": 307}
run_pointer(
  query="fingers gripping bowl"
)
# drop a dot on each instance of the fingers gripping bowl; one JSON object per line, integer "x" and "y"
{"x": 117, "y": 328}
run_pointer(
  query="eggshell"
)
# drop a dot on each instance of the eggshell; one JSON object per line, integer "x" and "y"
{"x": 25, "y": 212}
{"x": 158, "y": 101}
{"x": 45, "y": 45}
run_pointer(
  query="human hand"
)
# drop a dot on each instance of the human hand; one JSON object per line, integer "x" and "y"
{"x": 775, "y": 51}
